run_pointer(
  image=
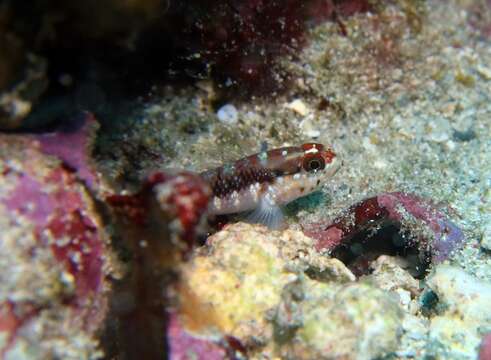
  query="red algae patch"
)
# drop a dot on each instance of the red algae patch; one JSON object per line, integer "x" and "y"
{"x": 54, "y": 249}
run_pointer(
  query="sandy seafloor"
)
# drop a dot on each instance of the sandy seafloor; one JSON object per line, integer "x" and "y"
{"x": 405, "y": 100}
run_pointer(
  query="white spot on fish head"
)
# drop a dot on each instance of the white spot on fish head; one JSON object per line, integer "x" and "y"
{"x": 312, "y": 150}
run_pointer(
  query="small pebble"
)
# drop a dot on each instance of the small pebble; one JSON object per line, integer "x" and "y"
{"x": 486, "y": 237}
{"x": 485, "y": 72}
{"x": 438, "y": 130}
{"x": 314, "y": 134}
{"x": 298, "y": 106}
{"x": 228, "y": 114}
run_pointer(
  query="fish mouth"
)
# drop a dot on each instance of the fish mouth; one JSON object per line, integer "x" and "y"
{"x": 334, "y": 167}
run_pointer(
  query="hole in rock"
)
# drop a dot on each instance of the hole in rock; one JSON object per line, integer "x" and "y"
{"x": 359, "y": 251}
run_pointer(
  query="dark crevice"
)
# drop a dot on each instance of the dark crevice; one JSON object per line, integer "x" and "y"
{"x": 358, "y": 252}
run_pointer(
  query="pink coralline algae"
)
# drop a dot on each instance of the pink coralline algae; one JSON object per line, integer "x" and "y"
{"x": 185, "y": 346}
{"x": 72, "y": 144}
{"x": 478, "y": 15}
{"x": 47, "y": 203}
{"x": 485, "y": 352}
{"x": 436, "y": 235}
{"x": 62, "y": 214}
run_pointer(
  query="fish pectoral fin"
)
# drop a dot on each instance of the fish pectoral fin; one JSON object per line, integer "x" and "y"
{"x": 268, "y": 214}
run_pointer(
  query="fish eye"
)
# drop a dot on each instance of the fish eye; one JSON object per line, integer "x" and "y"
{"x": 314, "y": 163}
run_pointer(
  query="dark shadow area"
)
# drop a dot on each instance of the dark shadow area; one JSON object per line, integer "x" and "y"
{"x": 358, "y": 252}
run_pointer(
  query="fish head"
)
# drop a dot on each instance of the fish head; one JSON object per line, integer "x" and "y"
{"x": 303, "y": 170}
{"x": 319, "y": 163}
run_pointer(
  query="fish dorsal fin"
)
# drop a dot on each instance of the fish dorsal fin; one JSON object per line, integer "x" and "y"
{"x": 266, "y": 213}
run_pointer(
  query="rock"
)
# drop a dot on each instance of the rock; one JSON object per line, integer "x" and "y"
{"x": 437, "y": 129}
{"x": 53, "y": 258}
{"x": 228, "y": 114}
{"x": 298, "y": 106}
{"x": 185, "y": 346}
{"x": 388, "y": 273}
{"x": 237, "y": 281}
{"x": 433, "y": 232}
{"x": 414, "y": 336}
{"x": 73, "y": 145}
{"x": 274, "y": 293}
{"x": 486, "y": 235}
{"x": 462, "y": 293}
{"x": 463, "y": 311}
{"x": 357, "y": 321}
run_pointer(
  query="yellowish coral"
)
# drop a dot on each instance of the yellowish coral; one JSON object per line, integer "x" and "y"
{"x": 239, "y": 281}
{"x": 252, "y": 283}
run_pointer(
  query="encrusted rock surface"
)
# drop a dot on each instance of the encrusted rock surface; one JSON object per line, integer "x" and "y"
{"x": 463, "y": 313}
{"x": 53, "y": 258}
{"x": 264, "y": 289}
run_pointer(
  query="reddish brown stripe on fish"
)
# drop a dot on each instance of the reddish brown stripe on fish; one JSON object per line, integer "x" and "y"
{"x": 259, "y": 168}
{"x": 224, "y": 181}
